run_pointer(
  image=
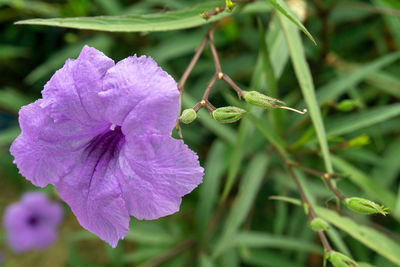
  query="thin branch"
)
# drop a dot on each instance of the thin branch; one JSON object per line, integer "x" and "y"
{"x": 214, "y": 50}
{"x": 232, "y": 84}
{"x": 325, "y": 176}
{"x": 210, "y": 86}
{"x": 310, "y": 213}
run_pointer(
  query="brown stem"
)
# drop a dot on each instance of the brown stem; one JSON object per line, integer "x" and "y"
{"x": 214, "y": 50}
{"x": 210, "y": 86}
{"x": 325, "y": 176}
{"x": 334, "y": 189}
{"x": 232, "y": 84}
{"x": 310, "y": 213}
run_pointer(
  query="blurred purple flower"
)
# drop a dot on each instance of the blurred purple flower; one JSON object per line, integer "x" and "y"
{"x": 32, "y": 223}
{"x": 101, "y": 135}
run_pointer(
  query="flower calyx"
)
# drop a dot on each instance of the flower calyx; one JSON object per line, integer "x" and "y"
{"x": 340, "y": 260}
{"x": 257, "y": 99}
{"x": 228, "y": 114}
{"x": 365, "y": 206}
{"x": 188, "y": 116}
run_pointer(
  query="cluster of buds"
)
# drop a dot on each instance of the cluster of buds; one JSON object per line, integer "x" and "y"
{"x": 232, "y": 114}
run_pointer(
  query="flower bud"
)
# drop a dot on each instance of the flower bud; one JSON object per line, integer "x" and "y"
{"x": 347, "y": 105}
{"x": 228, "y": 114}
{"x": 340, "y": 260}
{"x": 261, "y": 100}
{"x": 229, "y": 5}
{"x": 365, "y": 206}
{"x": 318, "y": 224}
{"x": 188, "y": 115}
{"x": 359, "y": 141}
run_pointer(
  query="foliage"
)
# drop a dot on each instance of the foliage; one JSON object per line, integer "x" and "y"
{"x": 349, "y": 83}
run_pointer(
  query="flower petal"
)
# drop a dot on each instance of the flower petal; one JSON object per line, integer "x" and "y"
{"x": 92, "y": 191}
{"x": 44, "y": 150}
{"x": 72, "y": 92}
{"x": 158, "y": 171}
{"x": 139, "y": 89}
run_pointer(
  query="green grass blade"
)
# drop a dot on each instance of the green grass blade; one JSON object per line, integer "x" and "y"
{"x": 263, "y": 240}
{"x": 303, "y": 74}
{"x": 370, "y": 237}
{"x": 350, "y": 123}
{"x": 366, "y": 183}
{"x": 215, "y": 167}
{"x": 173, "y": 20}
{"x": 338, "y": 86}
{"x": 249, "y": 187}
{"x": 285, "y": 10}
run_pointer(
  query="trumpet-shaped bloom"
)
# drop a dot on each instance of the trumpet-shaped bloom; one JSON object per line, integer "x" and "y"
{"x": 101, "y": 135}
{"x": 32, "y": 223}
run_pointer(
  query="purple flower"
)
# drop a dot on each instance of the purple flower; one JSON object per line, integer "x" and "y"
{"x": 32, "y": 222}
{"x": 101, "y": 135}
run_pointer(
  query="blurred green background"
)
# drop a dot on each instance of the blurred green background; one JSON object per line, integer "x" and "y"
{"x": 356, "y": 72}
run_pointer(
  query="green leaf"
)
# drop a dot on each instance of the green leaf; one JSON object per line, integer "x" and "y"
{"x": 249, "y": 187}
{"x": 366, "y": 183}
{"x": 215, "y": 167}
{"x": 263, "y": 240}
{"x": 174, "y": 20}
{"x": 350, "y": 123}
{"x": 57, "y": 59}
{"x": 303, "y": 75}
{"x": 339, "y": 85}
{"x": 285, "y": 10}
{"x": 12, "y": 100}
{"x": 8, "y": 135}
{"x": 370, "y": 237}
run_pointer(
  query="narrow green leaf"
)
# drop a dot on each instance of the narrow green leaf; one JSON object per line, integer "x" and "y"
{"x": 248, "y": 190}
{"x": 285, "y": 10}
{"x": 263, "y": 240}
{"x": 307, "y": 86}
{"x": 8, "y": 135}
{"x": 237, "y": 155}
{"x": 370, "y": 237}
{"x": 215, "y": 167}
{"x": 366, "y": 183}
{"x": 174, "y": 20}
{"x": 339, "y": 85}
{"x": 206, "y": 261}
{"x": 350, "y": 123}
{"x": 12, "y": 100}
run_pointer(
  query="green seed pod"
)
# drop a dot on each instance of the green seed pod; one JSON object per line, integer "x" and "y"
{"x": 257, "y": 99}
{"x": 365, "y": 206}
{"x": 318, "y": 224}
{"x": 347, "y": 105}
{"x": 229, "y": 5}
{"x": 340, "y": 260}
{"x": 359, "y": 141}
{"x": 228, "y": 114}
{"x": 188, "y": 115}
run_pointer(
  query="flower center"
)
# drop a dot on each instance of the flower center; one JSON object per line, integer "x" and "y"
{"x": 106, "y": 144}
{"x": 33, "y": 221}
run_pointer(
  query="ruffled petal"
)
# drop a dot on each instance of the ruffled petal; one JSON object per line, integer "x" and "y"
{"x": 92, "y": 191}
{"x": 137, "y": 90}
{"x": 72, "y": 92}
{"x": 44, "y": 151}
{"x": 156, "y": 172}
